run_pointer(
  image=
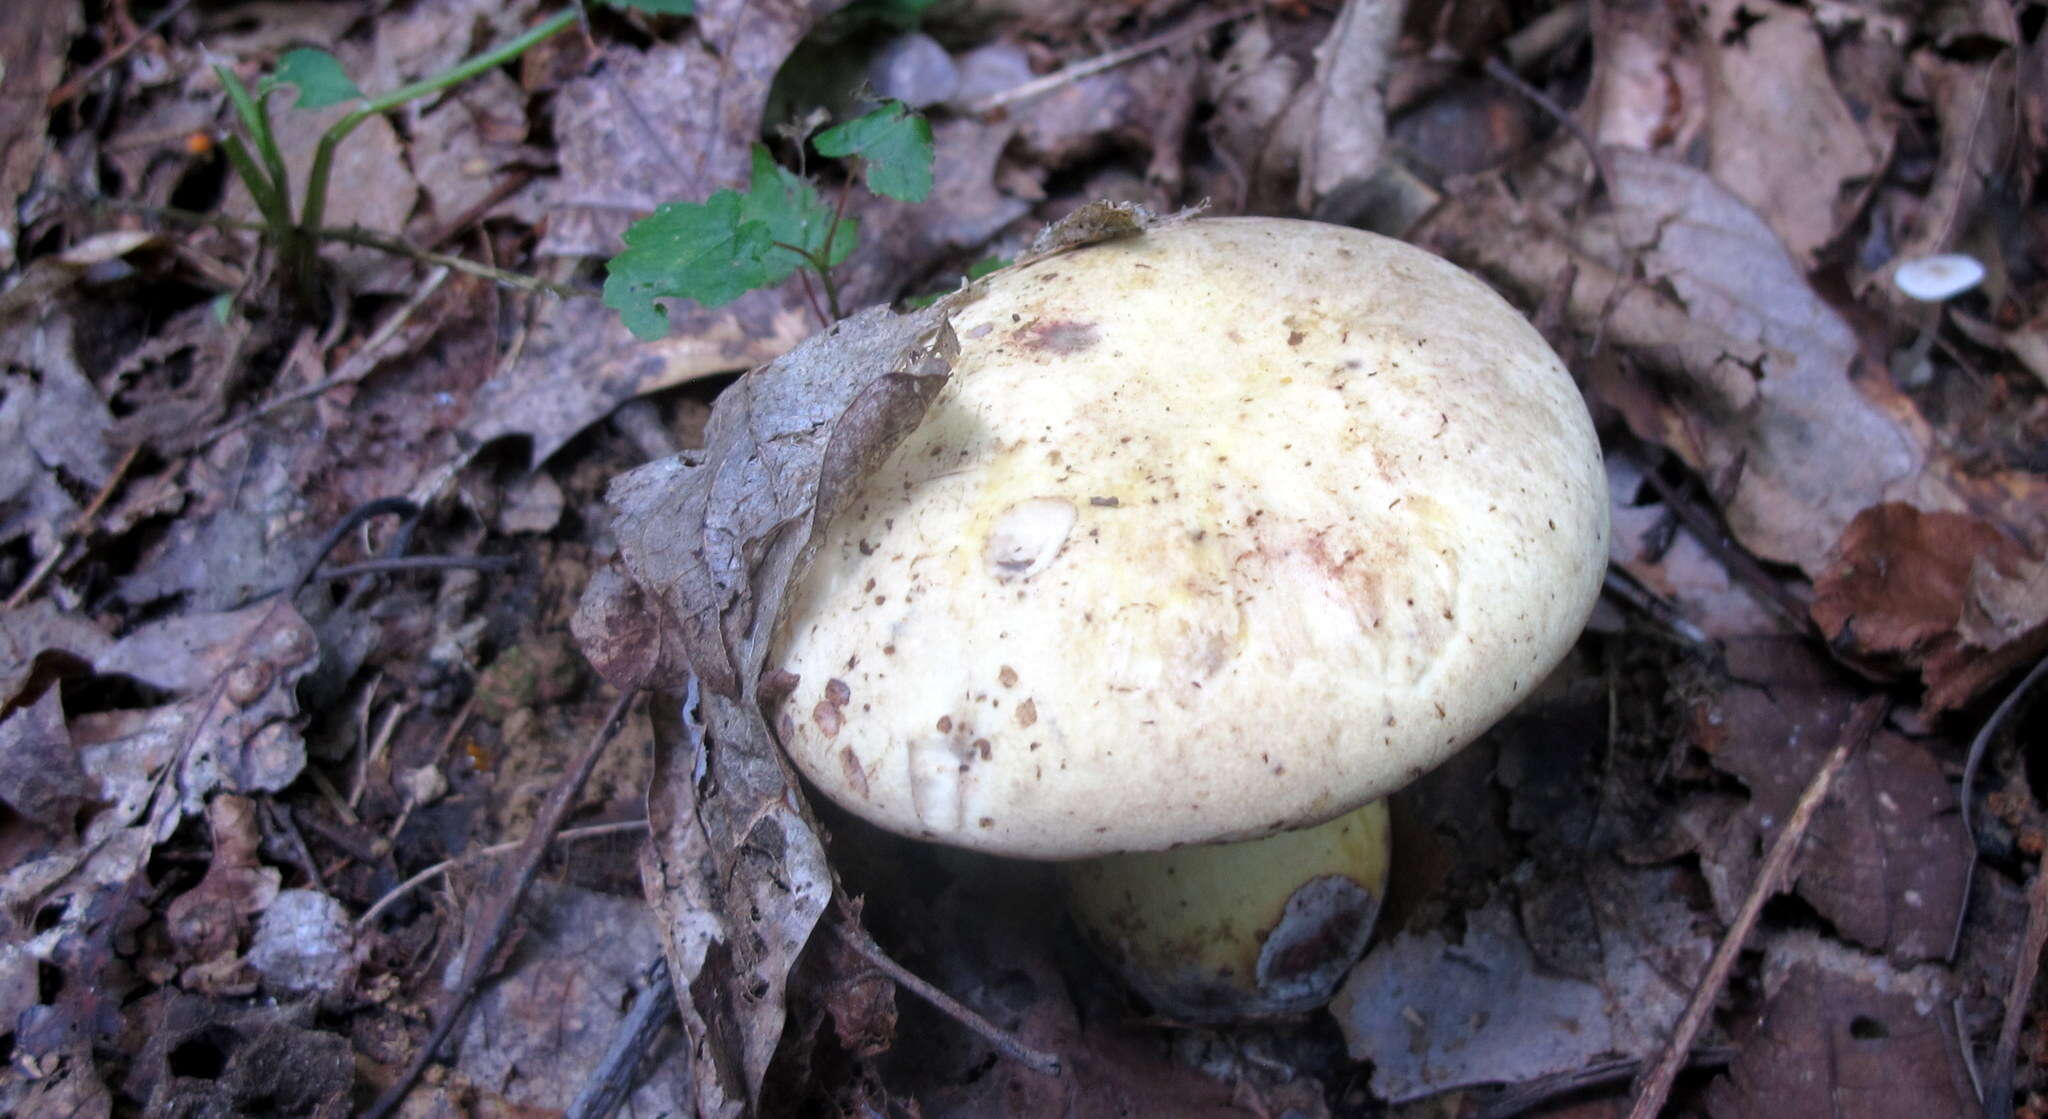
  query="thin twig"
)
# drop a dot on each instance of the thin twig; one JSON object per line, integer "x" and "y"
{"x": 499, "y": 912}
{"x": 375, "y": 507}
{"x": 1504, "y": 74}
{"x": 71, "y": 89}
{"x": 1968, "y": 792}
{"x": 616, "y": 1075}
{"x": 1739, "y": 563}
{"x": 417, "y": 563}
{"x": 398, "y": 892}
{"x": 1625, "y": 587}
{"x": 77, "y": 528}
{"x": 370, "y": 751}
{"x": 1532, "y": 1094}
{"x": 1038, "y": 87}
{"x": 355, "y": 368}
{"x": 353, "y": 235}
{"x": 1997, "y": 1098}
{"x": 1656, "y": 1085}
{"x": 1004, "y": 1042}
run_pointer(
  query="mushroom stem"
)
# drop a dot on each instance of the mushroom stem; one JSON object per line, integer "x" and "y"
{"x": 1224, "y": 931}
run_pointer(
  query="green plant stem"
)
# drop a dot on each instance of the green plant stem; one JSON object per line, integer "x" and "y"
{"x": 818, "y": 265}
{"x": 518, "y": 281}
{"x": 323, "y": 157}
{"x": 261, "y": 190}
{"x": 256, "y": 122}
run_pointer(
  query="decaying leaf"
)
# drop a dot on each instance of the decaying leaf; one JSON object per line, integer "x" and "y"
{"x": 209, "y": 922}
{"x": 1773, "y": 94}
{"x": 40, "y": 776}
{"x": 1884, "y": 856}
{"x": 34, "y": 40}
{"x": 535, "y": 1032}
{"x": 1828, "y": 1045}
{"x": 1432, "y": 1014}
{"x": 236, "y": 672}
{"x": 735, "y": 869}
{"x": 1945, "y": 593}
{"x": 1738, "y": 366}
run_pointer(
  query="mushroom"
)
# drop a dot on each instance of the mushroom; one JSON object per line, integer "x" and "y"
{"x": 1933, "y": 281}
{"x": 1218, "y": 533}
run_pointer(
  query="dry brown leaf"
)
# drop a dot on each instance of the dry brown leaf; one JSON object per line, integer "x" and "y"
{"x": 1943, "y": 593}
{"x": 1828, "y": 1045}
{"x": 235, "y": 673}
{"x": 1773, "y": 96}
{"x": 1885, "y": 853}
{"x": 1741, "y": 368}
{"x": 35, "y": 42}
{"x": 538, "y": 1029}
{"x": 38, "y": 630}
{"x": 1649, "y": 86}
{"x": 55, "y": 430}
{"x": 1433, "y": 1014}
{"x": 1977, "y": 106}
{"x": 1334, "y": 133}
{"x": 41, "y": 778}
{"x": 210, "y": 921}
{"x": 712, "y": 539}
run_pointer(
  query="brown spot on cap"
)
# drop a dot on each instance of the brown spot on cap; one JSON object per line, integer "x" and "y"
{"x": 827, "y": 718}
{"x": 1027, "y": 714}
{"x": 1059, "y": 336}
{"x": 1008, "y": 676}
{"x": 856, "y": 777}
{"x": 945, "y": 724}
{"x": 837, "y": 693}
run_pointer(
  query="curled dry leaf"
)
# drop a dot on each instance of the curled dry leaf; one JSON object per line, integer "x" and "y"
{"x": 710, "y": 541}
{"x": 209, "y": 921}
{"x": 1945, "y": 593}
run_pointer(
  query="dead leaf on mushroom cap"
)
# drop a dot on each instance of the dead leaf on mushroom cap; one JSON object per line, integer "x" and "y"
{"x": 709, "y": 542}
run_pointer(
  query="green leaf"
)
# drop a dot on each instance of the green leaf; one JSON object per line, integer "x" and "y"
{"x": 789, "y": 206}
{"x": 660, "y": 7}
{"x": 319, "y": 77}
{"x": 894, "y": 146}
{"x": 986, "y": 265}
{"x": 701, "y": 251}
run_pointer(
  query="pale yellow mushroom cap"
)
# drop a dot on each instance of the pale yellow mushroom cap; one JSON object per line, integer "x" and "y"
{"x": 1217, "y": 531}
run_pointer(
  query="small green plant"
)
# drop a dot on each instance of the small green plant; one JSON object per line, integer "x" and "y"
{"x": 321, "y": 82}
{"x": 714, "y": 251}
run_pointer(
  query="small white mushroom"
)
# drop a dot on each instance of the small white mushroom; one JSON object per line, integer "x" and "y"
{"x": 1936, "y": 278}
{"x": 1932, "y": 280}
{"x": 1217, "y": 533}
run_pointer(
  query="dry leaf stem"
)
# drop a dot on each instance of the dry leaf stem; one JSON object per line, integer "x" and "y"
{"x": 1966, "y": 794}
{"x": 1004, "y": 1042}
{"x": 1656, "y": 1086}
{"x": 1038, "y": 87}
{"x": 79, "y": 525}
{"x": 498, "y": 913}
{"x": 1998, "y": 1092}
{"x": 616, "y": 1075}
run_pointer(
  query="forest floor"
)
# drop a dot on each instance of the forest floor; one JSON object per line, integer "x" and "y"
{"x": 311, "y": 802}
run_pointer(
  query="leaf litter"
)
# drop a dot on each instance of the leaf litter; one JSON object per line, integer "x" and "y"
{"x": 262, "y": 558}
